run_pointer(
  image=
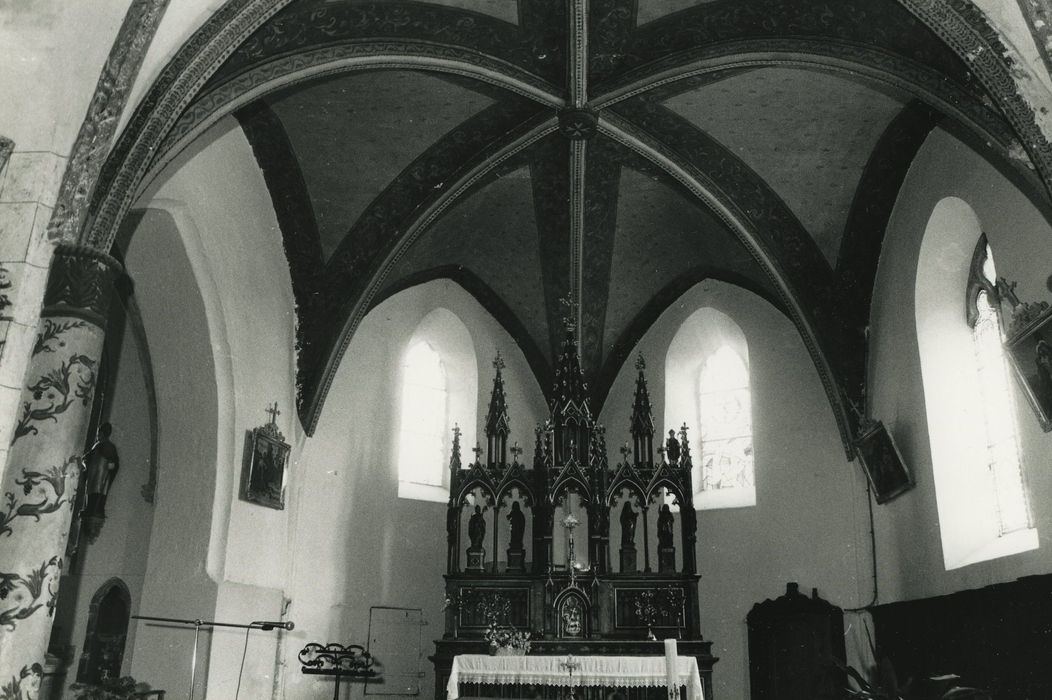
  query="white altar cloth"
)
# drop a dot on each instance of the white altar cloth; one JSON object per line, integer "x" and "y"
{"x": 606, "y": 671}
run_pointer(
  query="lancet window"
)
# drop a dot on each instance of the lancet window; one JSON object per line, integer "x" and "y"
{"x": 968, "y": 397}
{"x": 424, "y": 417}
{"x": 439, "y": 389}
{"x": 725, "y": 418}
{"x": 707, "y": 379}
{"x": 995, "y": 398}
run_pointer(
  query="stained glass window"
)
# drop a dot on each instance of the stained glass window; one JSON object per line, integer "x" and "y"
{"x": 1002, "y": 445}
{"x": 725, "y": 417}
{"x": 422, "y": 444}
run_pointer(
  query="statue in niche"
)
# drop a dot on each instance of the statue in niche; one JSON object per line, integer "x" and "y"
{"x": 518, "y": 526}
{"x": 664, "y": 527}
{"x": 666, "y": 552}
{"x": 628, "y": 526}
{"x": 477, "y": 528}
{"x": 672, "y": 448}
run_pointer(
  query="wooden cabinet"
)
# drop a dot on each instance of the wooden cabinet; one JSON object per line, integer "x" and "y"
{"x": 792, "y": 641}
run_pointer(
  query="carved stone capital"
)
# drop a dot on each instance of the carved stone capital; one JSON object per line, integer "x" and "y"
{"x": 80, "y": 284}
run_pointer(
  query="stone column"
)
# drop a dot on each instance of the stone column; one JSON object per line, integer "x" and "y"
{"x": 40, "y": 479}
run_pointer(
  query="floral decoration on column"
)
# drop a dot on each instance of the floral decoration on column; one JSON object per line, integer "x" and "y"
{"x": 44, "y": 462}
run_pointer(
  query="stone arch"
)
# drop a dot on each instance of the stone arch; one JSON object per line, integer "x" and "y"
{"x": 104, "y": 641}
{"x": 964, "y": 32}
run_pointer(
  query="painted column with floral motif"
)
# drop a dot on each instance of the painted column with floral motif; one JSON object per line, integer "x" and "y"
{"x": 40, "y": 479}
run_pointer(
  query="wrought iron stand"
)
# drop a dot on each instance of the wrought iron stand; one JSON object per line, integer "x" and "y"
{"x": 351, "y": 661}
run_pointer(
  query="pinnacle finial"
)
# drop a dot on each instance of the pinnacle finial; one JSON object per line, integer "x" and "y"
{"x": 641, "y": 363}
{"x": 498, "y": 362}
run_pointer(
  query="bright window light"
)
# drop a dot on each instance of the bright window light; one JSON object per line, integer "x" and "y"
{"x": 1002, "y": 446}
{"x": 422, "y": 444}
{"x": 970, "y": 404}
{"x": 708, "y": 388}
{"x": 725, "y": 417}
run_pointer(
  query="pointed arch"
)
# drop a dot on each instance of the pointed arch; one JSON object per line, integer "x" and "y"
{"x": 438, "y": 389}
{"x": 958, "y": 368}
{"x": 707, "y": 386}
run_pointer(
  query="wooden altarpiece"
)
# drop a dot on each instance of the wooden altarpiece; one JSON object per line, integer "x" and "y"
{"x": 567, "y": 607}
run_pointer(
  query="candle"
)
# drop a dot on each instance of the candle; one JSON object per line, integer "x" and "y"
{"x": 671, "y": 675}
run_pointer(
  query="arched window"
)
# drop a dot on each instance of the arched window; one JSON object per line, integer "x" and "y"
{"x": 707, "y": 386}
{"x": 439, "y": 389}
{"x": 725, "y": 420}
{"x": 995, "y": 395}
{"x": 425, "y": 414}
{"x": 969, "y": 401}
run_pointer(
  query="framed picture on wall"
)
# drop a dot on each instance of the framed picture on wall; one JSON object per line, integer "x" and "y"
{"x": 883, "y": 464}
{"x": 1031, "y": 352}
{"x": 266, "y": 459}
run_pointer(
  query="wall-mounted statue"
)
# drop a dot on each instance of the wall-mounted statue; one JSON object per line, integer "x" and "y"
{"x": 101, "y": 464}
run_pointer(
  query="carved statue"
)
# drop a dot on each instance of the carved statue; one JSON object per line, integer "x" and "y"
{"x": 518, "y": 526}
{"x": 672, "y": 448}
{"x": 477, "y": 528}
{"x": 628, "y": 525}
{"x": 101, "y": 464}
{"x": 664, "y": 527}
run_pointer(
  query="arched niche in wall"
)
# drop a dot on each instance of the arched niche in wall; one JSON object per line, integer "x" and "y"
{"x": 958, "y": 412}
{"x": 107, "y": 633}
{"x": 707, "y": 387}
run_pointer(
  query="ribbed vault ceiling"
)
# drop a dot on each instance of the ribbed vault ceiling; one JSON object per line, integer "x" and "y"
{"x": 617, "y": 152}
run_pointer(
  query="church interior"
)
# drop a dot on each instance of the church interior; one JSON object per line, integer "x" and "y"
{"x": 351, "y": 314}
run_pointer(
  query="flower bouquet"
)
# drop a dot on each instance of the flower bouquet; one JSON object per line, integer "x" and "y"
{"x": 505, "y": 640}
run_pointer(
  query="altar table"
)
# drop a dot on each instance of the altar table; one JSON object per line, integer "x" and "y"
{"x": 603, "y": 671}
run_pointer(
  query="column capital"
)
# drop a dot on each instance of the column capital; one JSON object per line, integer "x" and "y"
{"x": 80, "y": 284}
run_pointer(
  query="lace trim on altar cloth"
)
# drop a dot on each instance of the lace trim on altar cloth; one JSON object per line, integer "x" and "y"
{"x": 607, "y": 671}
